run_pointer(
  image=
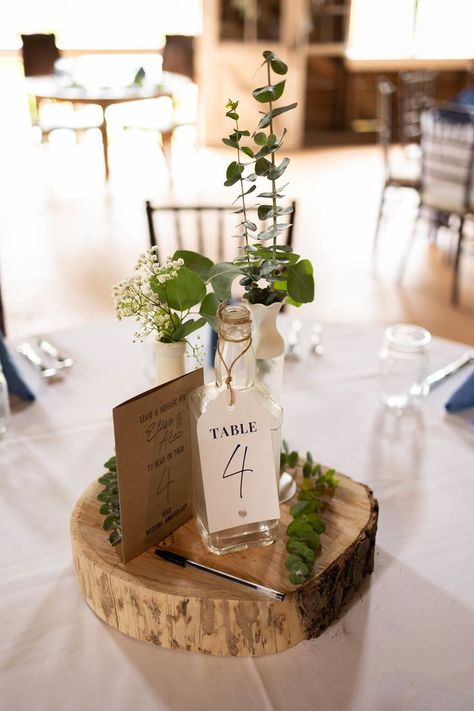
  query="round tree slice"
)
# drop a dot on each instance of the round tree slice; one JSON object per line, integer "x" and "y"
{"x": 183, "y": 608}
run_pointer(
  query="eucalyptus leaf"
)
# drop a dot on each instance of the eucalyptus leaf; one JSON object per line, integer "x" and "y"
{"x": 230, "y": 142}
{"x": 277, "y": 172}
{"x": 266, "y": 234}
{"x": 250, "y": 190}
{"x": 296, "y": 565}
{"x": 265, "y": 211}
{"x": 271, "y": 92}
{"x": 267, "y": 118}
{"x": 247, "y": 150}
{"x": 231, "y": 181}
{"x": 222, "y": 276}
{"x": 278, "y": 66}
{"x": 115, "y": 537}
{"x": 262, "y": 166}
{"x": 300, "y": 549}
{"x": 260, "y": 138}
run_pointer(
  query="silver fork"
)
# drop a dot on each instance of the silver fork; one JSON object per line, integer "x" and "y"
{"x": 28, "y": 352}
{"x": 60, "y": 361}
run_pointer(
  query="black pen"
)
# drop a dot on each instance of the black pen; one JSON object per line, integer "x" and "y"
{"x": 183, "y": 562}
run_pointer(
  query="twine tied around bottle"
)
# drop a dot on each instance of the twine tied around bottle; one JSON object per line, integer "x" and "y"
{"x": 228, "y": 368}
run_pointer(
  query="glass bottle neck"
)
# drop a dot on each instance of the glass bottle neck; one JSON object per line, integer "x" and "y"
{"x": 243, "y": 370}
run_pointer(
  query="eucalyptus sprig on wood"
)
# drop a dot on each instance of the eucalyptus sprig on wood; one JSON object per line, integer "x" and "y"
{"x": 307, "y": 526}
{"x": 109, "y": 498}
{"x": 269, "y": 271}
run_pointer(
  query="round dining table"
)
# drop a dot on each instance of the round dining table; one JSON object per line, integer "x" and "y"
{"x": 405, "y": 641}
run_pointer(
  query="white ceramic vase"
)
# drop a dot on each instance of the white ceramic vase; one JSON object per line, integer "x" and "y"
{"x": 269, "y": 347}
{"x": 170, "y": 361}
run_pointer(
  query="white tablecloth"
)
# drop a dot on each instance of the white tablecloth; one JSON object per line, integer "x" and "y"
{"x": 405, "y": 642}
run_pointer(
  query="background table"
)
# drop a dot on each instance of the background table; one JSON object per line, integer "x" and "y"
{"x": 49, "y": 88}
{"x": 406, "y": 641}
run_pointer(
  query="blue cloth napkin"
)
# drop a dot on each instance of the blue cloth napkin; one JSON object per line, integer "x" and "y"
{"x": 463, "y": 398}
{"x": 15, "y": 383}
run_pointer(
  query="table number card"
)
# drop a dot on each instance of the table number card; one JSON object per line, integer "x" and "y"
{"x": 153, "y": 448}
{"x": 237, "y": 462}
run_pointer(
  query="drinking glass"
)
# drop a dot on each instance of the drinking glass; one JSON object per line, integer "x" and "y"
{"x": 403, "y": 364}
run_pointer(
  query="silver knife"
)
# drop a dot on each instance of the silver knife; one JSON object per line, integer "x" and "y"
{"x": 439, "y": 375}
{"x": 28, "y": 352}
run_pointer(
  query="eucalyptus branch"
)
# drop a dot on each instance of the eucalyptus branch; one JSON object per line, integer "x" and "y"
{"x": 242, "y": 192}
{"x": 269, "y": 273}
{"x": 274, "y": 200}
{"x": 307, "y": 526}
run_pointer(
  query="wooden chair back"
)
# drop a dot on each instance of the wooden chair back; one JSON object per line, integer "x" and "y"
{"x": 39, "y": 53}
{"x": 178, "y": 55}
{"x": 201, "y": 228}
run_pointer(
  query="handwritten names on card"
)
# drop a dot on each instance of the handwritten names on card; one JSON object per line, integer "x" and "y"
{"x": 153, "y": 447}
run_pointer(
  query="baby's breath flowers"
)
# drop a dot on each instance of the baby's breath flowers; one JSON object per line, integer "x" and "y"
{"x": 161, "y": 298}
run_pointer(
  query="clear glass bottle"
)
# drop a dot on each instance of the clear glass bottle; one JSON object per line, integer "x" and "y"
{"x": 234, "y": 331}
{"x": 4, "y": 405}
{"x": 403, "y": 364}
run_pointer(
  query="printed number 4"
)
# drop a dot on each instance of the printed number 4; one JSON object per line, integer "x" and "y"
{"x": 241, "y": 471}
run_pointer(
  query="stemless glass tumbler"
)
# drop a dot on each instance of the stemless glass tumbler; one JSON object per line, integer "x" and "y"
{"x": 403, "y": 364}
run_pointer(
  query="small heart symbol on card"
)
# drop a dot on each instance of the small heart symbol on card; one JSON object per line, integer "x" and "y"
{"x": 242, "y": 513}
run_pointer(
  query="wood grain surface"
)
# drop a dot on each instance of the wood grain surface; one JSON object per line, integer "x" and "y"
{"x": 153, "y": 600}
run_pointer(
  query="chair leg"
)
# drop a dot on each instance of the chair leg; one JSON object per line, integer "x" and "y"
{"x": 379, "y": 221}
{"x": 406, "y": 253}
{"x": 457, "y": 258}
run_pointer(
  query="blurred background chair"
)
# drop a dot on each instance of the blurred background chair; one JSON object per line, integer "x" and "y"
{"x": 40, "y": 53}
{"x": 400, "y": 169}
{"x": 416, "y": 94}
{"x": 202, "y": 228}
{"x": 447, "y": 175}
{"x": 178, "y": 55}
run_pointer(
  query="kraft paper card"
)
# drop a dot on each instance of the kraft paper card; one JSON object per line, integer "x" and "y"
{"x": 153, "y": 448}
